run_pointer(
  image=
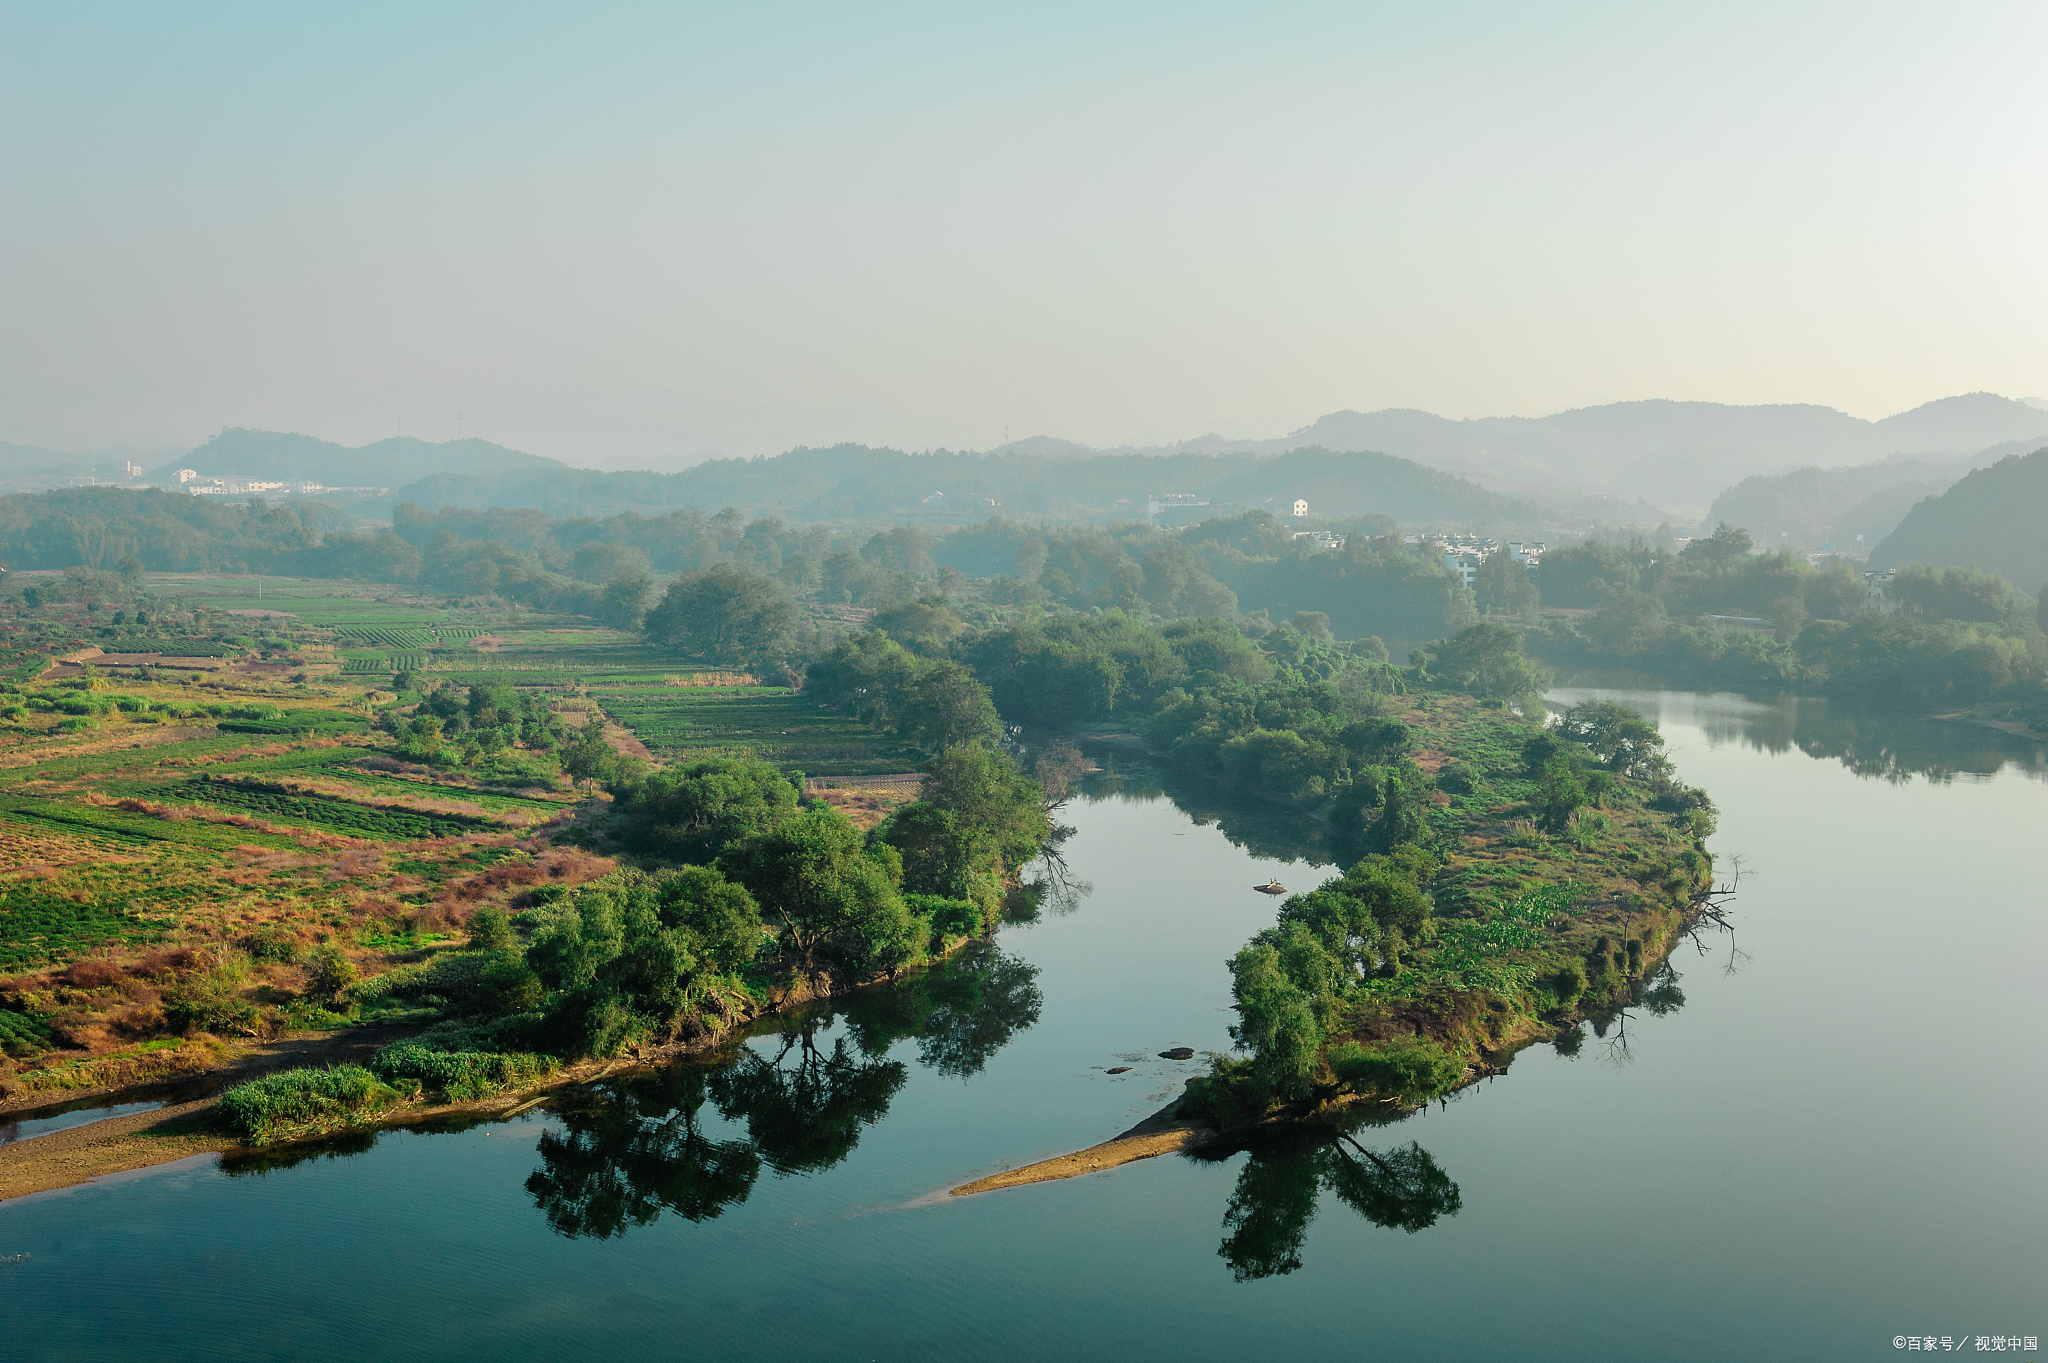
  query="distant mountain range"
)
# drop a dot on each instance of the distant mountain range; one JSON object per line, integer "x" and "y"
{"x": 855, "y": 483}
{"x": 1624, "y": 463}
{"x": 239, "y": 453}
{"x": 1674, "y": 454}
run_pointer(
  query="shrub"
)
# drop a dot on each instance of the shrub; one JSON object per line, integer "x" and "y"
{"x": 329, "y": 971}
{"x": 272, "y": 943}
{"x": 208, "y": 998}
{"x": 462, "y": 1075}
{"x": 948, "y": 917}
{"x": 1408, "y": 1068}
{"x": 1232, "y": 1092}
{"x": 1569, "y": 982}
{"x": 486, "y": 982}
{"x": 490, "y": 929}
{"x": 1460, "y": 778}
{"x": 303, "y": 1101}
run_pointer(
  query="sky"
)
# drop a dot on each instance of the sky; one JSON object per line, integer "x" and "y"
{"x": 643, "y": 234}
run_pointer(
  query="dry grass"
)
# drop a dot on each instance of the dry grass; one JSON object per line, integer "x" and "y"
{"x": 120, "y": 1069}
{"x": 867, "y": 800}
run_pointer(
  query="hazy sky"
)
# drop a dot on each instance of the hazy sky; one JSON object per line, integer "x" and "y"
{"x": 668, "y": 229}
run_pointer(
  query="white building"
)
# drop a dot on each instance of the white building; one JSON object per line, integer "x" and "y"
{"x": 1301, "y": 506}
{"x": 1171, "y": 501}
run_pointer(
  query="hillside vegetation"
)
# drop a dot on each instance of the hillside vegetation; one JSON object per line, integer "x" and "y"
{"x": 1994, "y": 519}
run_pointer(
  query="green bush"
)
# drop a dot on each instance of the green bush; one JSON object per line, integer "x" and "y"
{"x": 1408, "y": 1068}
{"x": 949, "y": 918}
{"x": 462, "y": 1075}
{"x": 1233, "y": 1091}
{"x": 1460, "y": 778}
{"x": 480, "y": 982}
{"x": 272, "y": 943}
{"x": 208, "y": 999}
{"x": 1569, "y": 982}
{"x": 489, "y": 929}
{"x": 303, "y": 1101}
{"x": 329, "y": 971}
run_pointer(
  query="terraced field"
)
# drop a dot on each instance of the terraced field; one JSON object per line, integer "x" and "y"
{"x": 769, "y": 722}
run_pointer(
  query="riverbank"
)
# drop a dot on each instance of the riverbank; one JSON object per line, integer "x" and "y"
{"x": 187, "y": 1125}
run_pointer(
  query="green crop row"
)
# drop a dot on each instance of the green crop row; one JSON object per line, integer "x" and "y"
{"x": 22, "y": 1036}
{"x": 342, "y": 816}
{"x": 770, "y": 723}
{"x": 38, "y": 926}
{"x": 131, "y": 828}
{"x": 390, "y": 638}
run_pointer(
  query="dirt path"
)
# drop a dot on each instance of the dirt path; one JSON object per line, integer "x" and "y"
{"x": 1158, "y": 1134}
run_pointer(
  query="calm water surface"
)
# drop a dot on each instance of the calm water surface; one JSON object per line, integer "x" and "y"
{"x": 1834, "y": 1141}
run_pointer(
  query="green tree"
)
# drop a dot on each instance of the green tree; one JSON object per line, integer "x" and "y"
{"x": 944, "y": 707}
{"x": 724, "y": 614}
{"x": 835, "y": 902}
{"x": 1277, "y": 1020}
{"x": 1619, "y": 736}
{"x": 1728, "y": 545}
{"x": 925, "y": 625}
{"x": 693, "y": 812}
{"x": 626, "y": 599}
{"x": 1002, "y": 809}
{"x": 1403, "y": 810}
{"x": 1486, "y": 659}
{"x": 868, "y": 676}
{"x": 1502, "y": 586}
{"x": 1953, "y": 594}
{"x": 1560, "y": 793}
{"x": 634, "y": 955}
{"x": 587, "y": 757}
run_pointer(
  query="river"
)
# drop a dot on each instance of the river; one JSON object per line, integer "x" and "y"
{"x": 1834, "y": 1142}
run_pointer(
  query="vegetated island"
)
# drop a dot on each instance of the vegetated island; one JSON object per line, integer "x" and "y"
{"x": 1503, "y": 879}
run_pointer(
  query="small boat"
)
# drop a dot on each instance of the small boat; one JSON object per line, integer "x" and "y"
{"x": 1271, "y": 887}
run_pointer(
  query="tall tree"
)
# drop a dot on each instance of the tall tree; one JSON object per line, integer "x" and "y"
{"x": 726, "y": 615}
{"x": 836, "y": 903}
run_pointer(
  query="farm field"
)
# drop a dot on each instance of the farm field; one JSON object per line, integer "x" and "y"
{"x": 178, "y": 843}
{"x": 772, "y": 723}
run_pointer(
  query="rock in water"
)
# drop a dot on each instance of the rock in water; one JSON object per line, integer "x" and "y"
{"x": 1178, "y": 1053}
{"x": 1120, "y": 1069}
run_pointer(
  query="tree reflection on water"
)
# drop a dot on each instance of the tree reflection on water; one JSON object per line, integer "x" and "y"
{"x": 630, "y": 1149}
{"x": 1281, "y": 1185}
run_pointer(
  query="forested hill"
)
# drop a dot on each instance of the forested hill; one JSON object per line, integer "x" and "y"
{"x": 1813, "y": 508}
{"x": 238, "y": 453}
{"x": 882, "y": 486}
{"x": 1995, "y": 519}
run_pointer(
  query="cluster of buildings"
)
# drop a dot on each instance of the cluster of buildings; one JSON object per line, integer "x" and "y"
{"x": 1462, "y": 554}
{"x": 199, "y": 485}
